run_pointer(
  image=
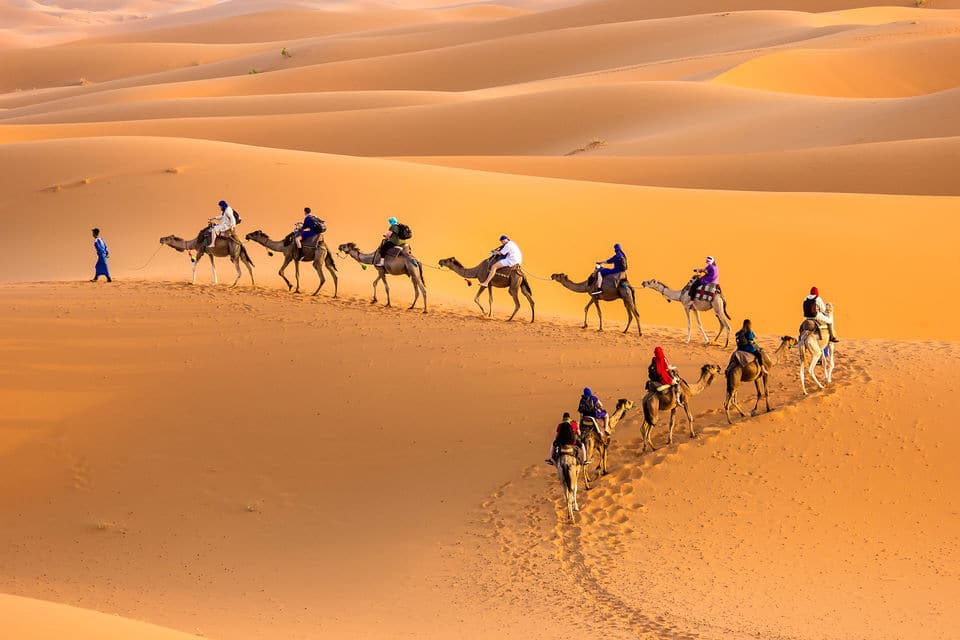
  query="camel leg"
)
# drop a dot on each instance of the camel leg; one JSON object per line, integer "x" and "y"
{"x": 703, "y": 332}
{"x": 516, "y": 301}
{"x": 213, "y": 267}
{"x": 766, "y": 392}
{"x": 194, "y": 271}
{"x": 490, "y": 301}
{"x": 386, "y": 287}
{"x": 626, "y": 305}
{"x": 533, "y": 314}
{"x": 423, "y": 292}
{"x": 282, "y": 272}
{"x": 586, "y": 310}
{"x": 689, "y": 414}
{"x": 249, "y": 266}
{"x": 318, "y": 266}
{"x": 236, "y": 265}
{"x": 476, "y": 301}
{"x": 296, "y": 275}
{"x": 596, "y": 303}
{"x": 379, "y": 278}
{"x": 803, "y": 383}
{"x": 673, "y": 422}
{"x": 689, "y": 326}
{"x": 416, "y": 290}
{"x": 336, "y": 280}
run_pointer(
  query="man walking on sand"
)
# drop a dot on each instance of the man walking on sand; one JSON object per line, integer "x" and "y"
{"x": 102, "y": 254}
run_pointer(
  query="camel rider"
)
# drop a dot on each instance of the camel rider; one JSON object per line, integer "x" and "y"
{"x": 815, "y": 309}
{"x": 310, "y": 228}
{"x": 747, "y": 341}
{"x": 618, "y": 265}
{"x": 508, "y": 255}
{"x": 662, "y": 375}
{"x": 223, "y": 223}
{"x": 709, "y": 275}
{"x": 568, "y": 435}
{"x": 591, "y": 407}
{"x": 390, "y": 239}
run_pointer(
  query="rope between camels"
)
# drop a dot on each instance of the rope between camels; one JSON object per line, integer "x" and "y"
{"x": 149, "y": 260}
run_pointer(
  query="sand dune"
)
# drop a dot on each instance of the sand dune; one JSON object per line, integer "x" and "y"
{"x": 249, "y": 463}
{"x": 27, "y": 619}
{"x": 677, "y": 119}
{"x": 886, "y": 71}
{"x": 907, "y": 167}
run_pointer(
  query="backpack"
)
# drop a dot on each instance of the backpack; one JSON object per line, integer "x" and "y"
{"x": 403, "y": 231}
{"x": 742, "y": 339}
{"x": 318, "y": 224}
{"x": 565, "y": 434}
{"x": 236, "y": 216}
{"x": 809, "y": 307}
{"x": 587, "y": 405}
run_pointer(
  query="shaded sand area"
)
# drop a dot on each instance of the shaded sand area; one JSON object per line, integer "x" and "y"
{"x": 245, "y": 465}
{"x": 251, "y": 464}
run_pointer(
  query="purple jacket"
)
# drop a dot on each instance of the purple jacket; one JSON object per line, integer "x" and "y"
{"x": 711, "y": 275}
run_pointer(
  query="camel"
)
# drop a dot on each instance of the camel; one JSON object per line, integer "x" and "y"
{"x": 752, "y": 372}
{"x": 719, "y": 306}
{"x": 402, "y": 265}
{"x": 611, "y": 290}
{"x": 320, "y": 256}
{"x": 222, "y": 248}
{"x": 513, "y": 281}
{"x": 597, "y": 443}
{"x": 567, "y": 471}
{"x": 656, "y": 401}
{"x": 814, "y": 349}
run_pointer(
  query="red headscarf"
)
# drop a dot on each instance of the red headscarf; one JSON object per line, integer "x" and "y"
{"x": 663, "y": 368}
{"x": 814, "y": 291}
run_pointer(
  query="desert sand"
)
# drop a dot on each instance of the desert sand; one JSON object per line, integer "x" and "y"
{"x": 236, "y": 463}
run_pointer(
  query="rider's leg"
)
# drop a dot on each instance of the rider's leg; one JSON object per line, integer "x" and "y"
{"x": 493, "y": 272}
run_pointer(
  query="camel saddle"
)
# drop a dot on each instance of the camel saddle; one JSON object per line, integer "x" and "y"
{"x": 614, "y": 280}
{"x": 589, "y": 423}
{"x": 810, "y": 325}
{"x": 567, "y": 450}
{"x": 507, "y": 272}
{"x": 706, "y": 292}
{"x": 745, "y": 358}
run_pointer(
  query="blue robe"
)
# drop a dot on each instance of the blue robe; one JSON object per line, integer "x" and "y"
{"x": 101, "y": 248}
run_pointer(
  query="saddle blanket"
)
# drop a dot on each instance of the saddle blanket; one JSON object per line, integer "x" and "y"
{"x": 706, "y": 292}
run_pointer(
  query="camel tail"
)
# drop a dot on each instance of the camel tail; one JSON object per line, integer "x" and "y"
{"x": 567, "y": 478}
{"x": 725, "y": 312}
{"x": 420, "y": 267}
{"x": 525, "y": 286}
{"x": 330, "y": 262}
{"x": 245, "y": 255}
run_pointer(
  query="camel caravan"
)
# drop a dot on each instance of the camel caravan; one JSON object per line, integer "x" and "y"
{"x": 580, "y": 449}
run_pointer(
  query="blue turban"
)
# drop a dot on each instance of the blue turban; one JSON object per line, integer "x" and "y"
{"x": 502, "y": 238}
{"x": 222, "y": 204}
{"x": 392, "y": 220}
{"x": 587, "y": 392}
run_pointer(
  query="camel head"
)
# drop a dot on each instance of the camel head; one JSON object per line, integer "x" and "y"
{"x": 558, "y": 277}
{"x": 788, "y": 342}
{"x": 254, "y": 235}
{"x": 447, "y": 263}
{"x": 624, "y": 404}
{"x": 710, "y": 370}
{"x": 170, "y": 240}
{"x": 657, "y": 286}
{"x": 348, "y": 247}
